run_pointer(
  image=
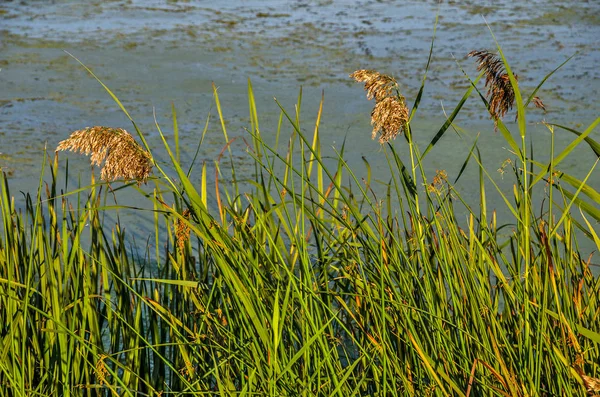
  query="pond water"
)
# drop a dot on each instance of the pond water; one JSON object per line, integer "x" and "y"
{"x": 154, "y": 53}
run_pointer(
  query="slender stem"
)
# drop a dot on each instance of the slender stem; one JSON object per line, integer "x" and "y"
{"x": 525, "y": 221}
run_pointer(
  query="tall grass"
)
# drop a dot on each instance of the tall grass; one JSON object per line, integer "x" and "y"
{"x": 305, "y": 285}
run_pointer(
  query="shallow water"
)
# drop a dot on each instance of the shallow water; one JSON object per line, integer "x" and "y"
{"x": 152, "y": 53}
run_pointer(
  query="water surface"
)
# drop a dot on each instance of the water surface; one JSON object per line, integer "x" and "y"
{"x": 154, "y": 53}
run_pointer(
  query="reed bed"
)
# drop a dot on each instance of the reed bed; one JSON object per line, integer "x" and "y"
{"x": 304, "y": 284}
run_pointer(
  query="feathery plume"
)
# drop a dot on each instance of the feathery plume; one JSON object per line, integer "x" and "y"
{"x": 122, "y": 156}
{"x": 592, "y": 385}
{"x": 500, "y": 93}
{"x": 388, "y": 116}
{"x": 390, "y": 113}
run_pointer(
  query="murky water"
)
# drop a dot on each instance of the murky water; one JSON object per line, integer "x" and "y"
{"x": 152, "y": 53}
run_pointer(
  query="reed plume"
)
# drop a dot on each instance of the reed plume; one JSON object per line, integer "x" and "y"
{"x": 592, "y": 385}
{"x": 500, "y": 93}
{"x": 122, "y": 156}
{"x": 390, "y": 114}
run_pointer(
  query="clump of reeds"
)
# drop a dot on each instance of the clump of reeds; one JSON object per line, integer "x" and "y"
{"x": 500, "y": 92}
{"x": 390, "y": 114}
{"x": 331, "y": 295}
{"x": 122, "y": 156}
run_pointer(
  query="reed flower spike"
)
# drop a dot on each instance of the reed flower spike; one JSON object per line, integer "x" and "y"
{"x": 390, "y": 114}
{"x": 592, "y": 385}
{"x": 500, "y": 93}
{"x": 122, "y": 156}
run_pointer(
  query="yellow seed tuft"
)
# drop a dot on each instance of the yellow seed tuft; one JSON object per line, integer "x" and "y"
{"x": 121, "y": 154}
{"x": 437, "y": 186}
{"x": 592, "y": 385}
{"x": 101, "y": 371}
{"x": 182, "y": 231}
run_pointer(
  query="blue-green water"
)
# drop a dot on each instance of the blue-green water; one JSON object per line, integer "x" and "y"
{"x": 152, "y": 53}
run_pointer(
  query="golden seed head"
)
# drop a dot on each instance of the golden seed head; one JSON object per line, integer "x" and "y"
{"x": 440, "y": 177}
{"x": 390, "y": 114}
{"x": 182, "y": 231}
{"x": 377, "y": 85}
{"x": 592, "y": 385}
{"x": 101, "y": 371}
{"x": 123, "y": 157}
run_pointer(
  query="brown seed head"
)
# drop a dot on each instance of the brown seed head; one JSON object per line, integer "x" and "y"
{"x": 538, "y": 103}
{"x": 122, "y": 156}
{"x": 390, "y": 113}
{"x": 500, "y": 93}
